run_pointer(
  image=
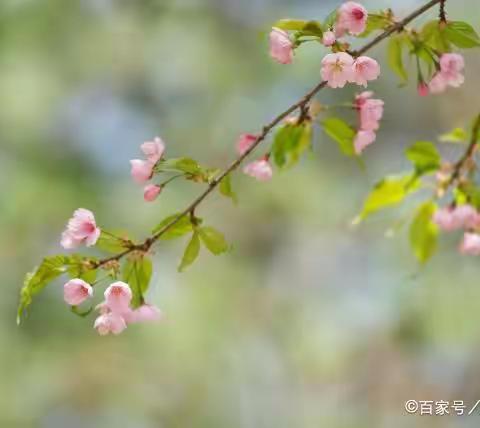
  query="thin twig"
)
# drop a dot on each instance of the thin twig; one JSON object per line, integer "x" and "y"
{"x": 301, "y": 105}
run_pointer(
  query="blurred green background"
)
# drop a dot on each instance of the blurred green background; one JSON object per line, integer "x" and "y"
{"x": 308, "y": 322}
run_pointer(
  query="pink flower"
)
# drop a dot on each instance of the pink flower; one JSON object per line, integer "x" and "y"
{"x": 81, "y": 229}
{"x": 370, "y": 111}
{"x": 445, "y": 219}
{"x": 259, "y": 169}
{"x": 453, "y": 218}
{"x": 146, "y": 312}
{"x": 245, "y": 141}
{"x": 141, "y": 170}
{"x": 76, "y": 291}
{"x": 362, "y": 140}
{"x": 450, "y": 74}
{"x": 364, "y": 69}
{"x": 110, "y": 323}
{"x": 153, "y": 150}
{"x": 470, "y": 244}
{"x": 151, "y": 192}
{"x": 118, "y": 297}
{"x": 351, "y": 18}
{"x": 281, "y": 47}
{"x": 328, "y": 38}
{"x": 422, "y": 89}
{"x": 337, "y": 69}
{"x": 437, "y": 84}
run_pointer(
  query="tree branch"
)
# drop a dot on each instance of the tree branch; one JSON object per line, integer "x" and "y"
{"x": 301, "y": 105}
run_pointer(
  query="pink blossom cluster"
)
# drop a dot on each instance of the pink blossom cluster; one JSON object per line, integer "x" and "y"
{"x": 142, "y": 169}
{"x": 450, "y": 73}
{"x": 81, "y": 229}
{"x": 115, "y": 311}
{"x": 370, "y": 111}
{"x": 281, "y": 46}
{"x": 260, "y": 169}
{"x": 464, "y": 217}
{"x": 340, "y": 68}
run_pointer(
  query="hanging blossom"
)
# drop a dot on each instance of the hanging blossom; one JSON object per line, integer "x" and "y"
{"x": 470, "y": 244}
{"x": 259, "y": 169}
{"x": 459, "y": 217}
{"x": 151, "y": 192}
{"x": 351, "y": 18}
{"x": 281, "y": 46}
{"x": 76, "y": 291}
{"x": 245, "y": 141}
{"x": 81, "y": 229}
{"x": 450, "y": 73}
{"x": 328, "y": 38}
{"x": 370, "y": 112}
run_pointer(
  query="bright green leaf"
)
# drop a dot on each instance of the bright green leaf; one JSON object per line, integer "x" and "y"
{"x": 330, "y": 19}
{"x": 342, "y": 133}
{"x": 395, "y": 56}
{"x": 424, "y": 157}
{"x": 225, "y": 188}
{"x": 375, "y": 21}
{"x": 180, "y": 228}
{"x": 456, "y": 135}
{"x": 423, "y": 232}
{"x": 462, "y": 35}
{"x": 434, "y": 35}
{"x": 110, "y": 242}
{"x": 186, "y": 165}
{"x": 137, "y": 273}
{"x": 191, "y": 252}
{"x": 213, "y": 240}
{"x": 291, "y": 24}
{"x": 290, "y": 142}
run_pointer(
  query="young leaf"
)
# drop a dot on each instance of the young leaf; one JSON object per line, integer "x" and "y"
{"x": 342, "y": 133}
{"x": 225, "y": 188}
{"x": 291, "y": 24}
{"x": 290, "y": 142}
{"x": 434, "y": 35}
{"x": 456, "y": 135}
{"x": 110, "y": 243}
{"x": 191, "y": 252}
{"x": 180, "y": 228}
{"x": 186, "y": 165}
{"x": 375, "y": 22}
{"x": 330, "y": 19}
{"x": 424, "y": 157}
{"x": 79, "y": 267}
{"x": 395, "y": 57}
{"x": 462, "y": 34}
{"x": 390, "y": 191}
{"x": 50, "y": 268}
{"x": 137, "y": 274}
{"x": 213, "y": 240}
{"x": 423, "y": 232}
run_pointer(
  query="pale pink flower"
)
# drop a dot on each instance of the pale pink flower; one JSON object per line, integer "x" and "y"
{"x": 146, "y": 312}
{"x": 470, "y": 244}
{"x": 118, "y": 297}
{"x": 370, "y": 111}
{"x": 362, "y": 140}
{"x": 110, "y": 323}
{"x": 141, "y": 170}
{"x": 452, "y": 218}
{"x": 328, "y": 38}
{"x": 281, "y": 46}
{"x": 81, "y": 229}
{"x": 245, "y": 141}
{"x": 259, "y": 169}
{"x": 151, "y": 192}
{"x": 337, "y": 69}
{"x": 153, "y": 150}
{"x": 438, "y": 83}
{"x": 451, "y": 66}
{"x": 422, "y": 89}
{"x": 364, "y": 69}
{"x": 351, "y": 18}
{"x": 76, "y": 291}
{"x": 445, "y": 219}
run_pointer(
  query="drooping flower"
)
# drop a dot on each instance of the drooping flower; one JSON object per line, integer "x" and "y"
{"x": 281, "y": 47}
{"x": 153, "y": 150}
{"x": 141, "y": 170}
{"x": 337, "y": 69}
{"x": 81, "y": 229}
{"x": 450, "y": 73}
{"x": 328, "y": 38}
{"x": 370, "y": 111}
{"x": 145, "y": 312}
{"x": 151, "y": 192}
{"x": 364, "y": 69}
{"x": 110, "y": 323}
{"x": 362, "y": 140}
{"x": 438, "y": 83}
{"x": 470, "y": 244}
{"x": 422, "y": 89}
{"x": 245, "y": 141}
{"x": 118, "y": 297}
{"x": 459, "y": 217}
{"x": 351, "y": 18}
{"x": 76, "y": 291}
{"x": 259, "y": 169}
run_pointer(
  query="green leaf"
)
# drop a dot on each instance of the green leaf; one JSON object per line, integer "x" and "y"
{"x": 395, "y": 57}
{"x": 375, "y": 21}
{"x": 424, "y": 157}
{"x": 137, "y": 273}
{"x": 342, "y": 133}
{"x": 456, "y": 135}
{"x": 50, "y": 268}
{"x": 186, "y": 165}
{"x": 78, "y": 267}
{"x": 290, "y": 142}
{"x": 180, "y": 228}
{"x": 191, "y": 252}
{"x": 462, "y": 35}
{"x": 291, "y": 24}
{"x": 423, "y": 232}
{"x": 225, "y": 188}
{"x": 434, "y": 35}
{"x": 110, "y": 243}
{"x": 330, "y": 19}
{"x": 388, "y": 192}
{"x": 213, "y": 240}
